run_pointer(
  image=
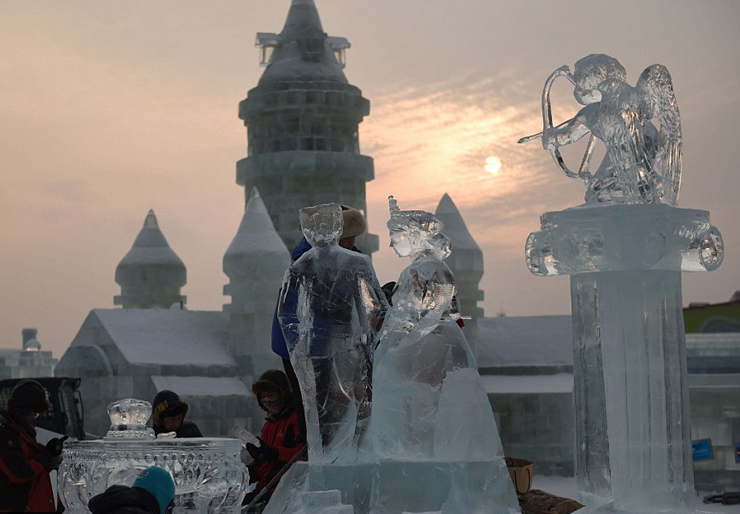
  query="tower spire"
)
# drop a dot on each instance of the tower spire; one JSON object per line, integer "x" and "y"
{"x": 150, "y": 274}
{"x": 302, "y": 122}
{"x": 466, "y": 262}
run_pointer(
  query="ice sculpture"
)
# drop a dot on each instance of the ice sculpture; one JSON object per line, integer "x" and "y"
{"x": 642, "y": 162}
{"x": 633, "y": 445}
{"x": 208, "y": 473}
{"x": 330, "y": 309}
{"x": 422, "y": 352}
{"x": 432, "y": 445}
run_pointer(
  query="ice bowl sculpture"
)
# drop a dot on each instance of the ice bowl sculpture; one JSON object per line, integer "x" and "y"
{"x": 128, "y": 419}
{"x": 208, "y": 473}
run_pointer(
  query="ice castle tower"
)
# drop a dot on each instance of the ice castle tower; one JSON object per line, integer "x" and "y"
{"x": 302, "y": 123}
{"x": 150, "y": 274}
{"x": 255, "y": 263}
{"x": 466, "y": 262}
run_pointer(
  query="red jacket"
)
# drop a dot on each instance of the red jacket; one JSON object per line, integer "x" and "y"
{"x": 24, "y": 481}
{"x": 280, "y": 433}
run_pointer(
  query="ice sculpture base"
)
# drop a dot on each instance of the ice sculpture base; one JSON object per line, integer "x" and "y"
{"x": 629, "y": 364}
{"x": 209, "y": 475}
{"x": 394, "y": 487}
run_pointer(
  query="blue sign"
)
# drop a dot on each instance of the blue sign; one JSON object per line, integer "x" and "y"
{"x": 702, "y": 449}
{"x": 737, "y": 453}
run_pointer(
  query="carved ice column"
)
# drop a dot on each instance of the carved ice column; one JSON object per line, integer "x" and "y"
{"x": 633, "y": 444}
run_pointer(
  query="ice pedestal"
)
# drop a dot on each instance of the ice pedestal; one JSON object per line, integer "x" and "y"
{"x": 395, "y": 487}
{"x": 633, "y": 444}
{"x": 208, "y": 473}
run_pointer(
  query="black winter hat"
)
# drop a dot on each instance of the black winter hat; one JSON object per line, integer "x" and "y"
{"x": 167, "y": 403}
{"x": 272, "y": 380}
{"x": 28, "y": 396}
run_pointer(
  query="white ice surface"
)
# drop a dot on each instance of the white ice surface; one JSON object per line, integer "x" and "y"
{"x": 168, "y": 336}
{"x": 201, "y": 386}
{"x": 528, "y": 384}
{"x": 525, "y": 341}
{"x": 566, "y": 487}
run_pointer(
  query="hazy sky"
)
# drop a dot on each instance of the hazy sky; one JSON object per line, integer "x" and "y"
{"x": 110, "y": 108}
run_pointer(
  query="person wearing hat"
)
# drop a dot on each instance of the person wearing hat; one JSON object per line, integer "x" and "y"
{"x": 353, "y": 225}
{"x": 280, "y": 439}
{"x": 168, "y": 415}
{"x": 24, "y": 464}
{"x": 153, "y": 492}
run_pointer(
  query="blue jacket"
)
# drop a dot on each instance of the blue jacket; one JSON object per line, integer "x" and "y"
{"x": 279, "y": 346}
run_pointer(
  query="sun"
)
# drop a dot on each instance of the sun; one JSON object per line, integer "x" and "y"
{"x": 493, "y": 164}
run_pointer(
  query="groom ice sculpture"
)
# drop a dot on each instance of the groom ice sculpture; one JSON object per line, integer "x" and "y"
{"x": 330, "y": 309}
{"x": 428, "y": 400}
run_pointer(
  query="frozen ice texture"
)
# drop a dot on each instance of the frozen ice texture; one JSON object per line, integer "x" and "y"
{"x": 330, "y": 309}
{"x": 633, "y": 441}
{"x": 420, "y": 349}
{"x": 208, "y": 473}
{"x": 643, "y": 161}
{"x": 128, "y": 418}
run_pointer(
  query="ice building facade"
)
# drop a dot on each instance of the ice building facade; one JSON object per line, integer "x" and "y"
{"x": 150, "y": 274}
{"x": 302, "y": 126}
{"x": 255, "y": 263}
{"x": 531, "y": 392}
{"x": 29, "y": 360}
{"x": 466, "y": 263}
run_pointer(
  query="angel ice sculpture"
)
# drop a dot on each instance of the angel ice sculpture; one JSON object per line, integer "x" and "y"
{"x": 330, "y": 308}
{"x": 642, "y": 162}
{"x": 428, "y": 400}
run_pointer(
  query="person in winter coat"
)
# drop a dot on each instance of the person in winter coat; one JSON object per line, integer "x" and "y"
{"x": 153, "y": 492}
{"x": 280, "y": 439}
{"x": 168, "y": 415}
{"x": 24, "y": 464}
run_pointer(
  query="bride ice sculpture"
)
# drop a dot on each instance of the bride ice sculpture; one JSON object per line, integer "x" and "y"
{"x": 633, "y": 444}
{"x": 429, "y": 404}
{"x": 642, "y": 163}
{"x": 423, "y": 360}
{"x": 330, "y": 309}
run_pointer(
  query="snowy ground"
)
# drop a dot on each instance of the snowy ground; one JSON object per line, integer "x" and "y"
{"x": 566, "y": 487}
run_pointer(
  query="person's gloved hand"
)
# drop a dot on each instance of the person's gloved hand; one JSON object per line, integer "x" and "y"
{"x": 262, "y": 452}
{"x": 55, "y": 446}
{"x": 48, "y": 461}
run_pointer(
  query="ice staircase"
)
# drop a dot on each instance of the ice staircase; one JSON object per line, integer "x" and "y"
{"x": 322, "y": 502}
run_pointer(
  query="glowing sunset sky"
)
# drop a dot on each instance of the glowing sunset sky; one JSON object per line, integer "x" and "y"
{"x": 110, "y": 108}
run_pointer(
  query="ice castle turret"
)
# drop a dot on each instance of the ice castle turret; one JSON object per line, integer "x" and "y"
{"x": 255, "y": 263}
{"x": 302, "y": 122}
{"x": 466, "y": 263}
{"x": 150, "y": 274}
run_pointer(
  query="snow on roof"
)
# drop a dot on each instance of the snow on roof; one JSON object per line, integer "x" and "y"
{"x": 528, "y": 384}
{"x": 190, "y": 387}
{"x": 164, "y": 336}
{"x": 525, "y": 341}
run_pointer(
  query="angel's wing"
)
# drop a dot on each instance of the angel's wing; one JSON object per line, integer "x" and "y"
{"x": 655, "y": 86}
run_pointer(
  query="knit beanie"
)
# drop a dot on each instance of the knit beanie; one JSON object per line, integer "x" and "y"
{"x": 167, "y": 403}
{"x": 28, "y": 396}
{"x": 157, "y": 482}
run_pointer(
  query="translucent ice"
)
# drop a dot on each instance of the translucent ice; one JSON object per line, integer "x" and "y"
{"x": 642, "y": 162}
{"x": 330, "y": 309}
{"x": 633, "y": 440}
